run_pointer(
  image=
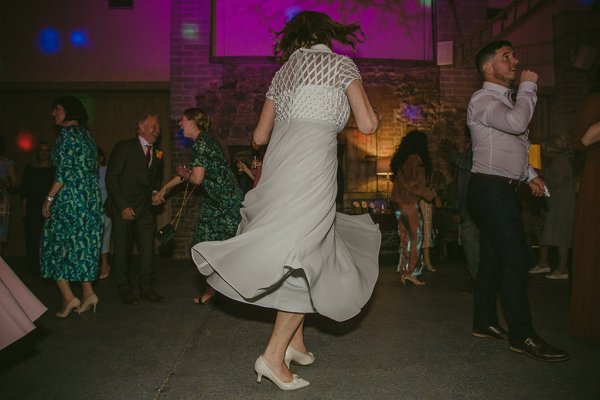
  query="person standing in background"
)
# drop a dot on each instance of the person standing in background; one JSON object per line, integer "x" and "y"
{"x": 584, "y": 310}
{"x": 70, "y": 244}
{"x": 104, "y": 269}
{"x": 499, "y": 130}
{"x": 35, "y": 183}
{"x": 8, "y": 182}
{"x": 134, "y": 174}
{"x": 410, "y": 167}
{"x": 560, "y": 206}
{"x": 462, "y": 159}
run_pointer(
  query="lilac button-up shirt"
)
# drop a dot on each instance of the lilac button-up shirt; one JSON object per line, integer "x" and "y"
{"x": 499, "y": 130}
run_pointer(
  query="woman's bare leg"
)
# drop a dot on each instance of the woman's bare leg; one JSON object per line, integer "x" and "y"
{"x": 104, "y": 266}
{"x": 297, "y": 341}
{"x": 88, "y": 291}
{"x": 286, "y": 326}
{"x": 65, "y": 291}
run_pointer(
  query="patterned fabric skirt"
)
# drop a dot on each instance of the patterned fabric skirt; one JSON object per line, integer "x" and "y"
{"x": 216, "y": 223}
{"x": 410, "y": 230}
{"x": 427, "y": 213}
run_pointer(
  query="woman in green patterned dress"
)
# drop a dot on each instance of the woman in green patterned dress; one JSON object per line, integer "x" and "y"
{"x": 70, "y": 244}
{"x": 220, "y": 210}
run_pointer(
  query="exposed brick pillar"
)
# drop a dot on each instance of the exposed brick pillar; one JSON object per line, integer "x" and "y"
{"x": 191, "y": 72}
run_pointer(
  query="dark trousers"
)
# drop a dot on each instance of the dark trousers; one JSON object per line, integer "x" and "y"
{"x": 33, "y": 234}
{"x": 469, "y": 236}
{"x": 124, "y": 232}
{"x": 504, "y": 256}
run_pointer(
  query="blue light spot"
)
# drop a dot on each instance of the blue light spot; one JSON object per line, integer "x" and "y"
{"x": 182, "y": 140}
{"x": 49, "y": 41}
{"x": 291, "y": 12}
{"x": 79, "y": 39}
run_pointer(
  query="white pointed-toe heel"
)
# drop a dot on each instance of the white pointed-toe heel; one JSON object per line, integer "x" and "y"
{"x": 73, "y": 305}
{"x": 262, "y": 369}
{"x": 90, "y": 303}
{"x": 297, "y": 357}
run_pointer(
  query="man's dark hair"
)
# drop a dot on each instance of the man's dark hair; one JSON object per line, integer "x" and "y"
{"x": 487, "y": 52}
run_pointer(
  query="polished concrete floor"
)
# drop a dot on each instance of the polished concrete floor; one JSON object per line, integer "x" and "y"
{"x": 408, "y": 343}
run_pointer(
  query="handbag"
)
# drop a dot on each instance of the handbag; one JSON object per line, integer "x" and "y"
{"x": 167, "y": 232}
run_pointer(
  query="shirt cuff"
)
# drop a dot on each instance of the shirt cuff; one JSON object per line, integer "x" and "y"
{"x": 531, "y": 174}
{"x": 528, "y": 86}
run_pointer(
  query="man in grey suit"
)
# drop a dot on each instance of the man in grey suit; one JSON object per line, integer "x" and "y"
{"x": 134, "y": 173}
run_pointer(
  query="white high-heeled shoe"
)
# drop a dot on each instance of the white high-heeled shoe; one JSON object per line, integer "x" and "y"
{"x": 298, "y": 357}
{"x": 90, "y": 302}
{"x": 261, "y": 368}
{"x": 73, "y": 305}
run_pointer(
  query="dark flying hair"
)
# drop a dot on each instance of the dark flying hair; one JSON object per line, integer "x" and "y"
{"x": 308, "y": 28}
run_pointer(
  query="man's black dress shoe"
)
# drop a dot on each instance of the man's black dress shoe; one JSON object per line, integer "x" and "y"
{"x": 495, "y": 332}
{"x": 151, "y": 296}
{"x": 128, "y": 298}
{"x": 537, "y": 348}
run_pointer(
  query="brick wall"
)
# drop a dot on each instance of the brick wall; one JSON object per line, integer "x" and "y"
{"x": 233, "y": 93}
{"x": 190, "y": 72}
{"x": 572, "y": 30}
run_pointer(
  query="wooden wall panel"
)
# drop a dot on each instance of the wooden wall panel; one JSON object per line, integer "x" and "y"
{"x": 113, "y": 112}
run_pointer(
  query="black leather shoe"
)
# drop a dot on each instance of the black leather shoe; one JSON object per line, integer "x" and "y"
{"x": 128, "y": 298}
{"x": 536, "y": 347}
{"x": 495, "y": 332}
{"x": 151, "y": 296}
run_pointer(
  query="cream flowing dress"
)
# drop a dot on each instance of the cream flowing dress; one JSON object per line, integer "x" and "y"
{"x": 293, "y": 252}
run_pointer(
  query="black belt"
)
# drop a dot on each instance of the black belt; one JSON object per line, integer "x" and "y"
{"x": 512, "y": 182}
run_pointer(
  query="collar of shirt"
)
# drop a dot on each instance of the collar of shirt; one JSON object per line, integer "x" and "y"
{"x": 144, "y": 143}
{"x": 321, "y": 47}
{"x": 495, "y": 87}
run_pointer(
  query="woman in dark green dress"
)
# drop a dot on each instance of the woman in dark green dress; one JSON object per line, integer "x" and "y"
{"x": 220, "y": 210}
{"x": 70, "y": 244}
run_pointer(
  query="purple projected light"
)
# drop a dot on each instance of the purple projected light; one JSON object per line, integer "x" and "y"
{"x": 412, "y": 113}
{"x": 393, "y": 29}
{"x": 79, "y": 39}
{"x": 49, "y": 41}
{"x": 291, "y": 13}
{"x": 182, "y": 140}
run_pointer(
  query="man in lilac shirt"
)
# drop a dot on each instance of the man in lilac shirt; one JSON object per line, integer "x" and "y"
{"x": 500, "y": 165}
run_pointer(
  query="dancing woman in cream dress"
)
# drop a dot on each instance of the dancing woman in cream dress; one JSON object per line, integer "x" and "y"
{"x": 293, "y": 252}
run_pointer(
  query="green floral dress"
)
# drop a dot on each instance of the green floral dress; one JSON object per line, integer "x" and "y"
{"x": 70, "y": 244}
{"x": 220, "y": 210}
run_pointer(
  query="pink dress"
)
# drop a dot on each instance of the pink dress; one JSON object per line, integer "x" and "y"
{"x": 18, "y": 307}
